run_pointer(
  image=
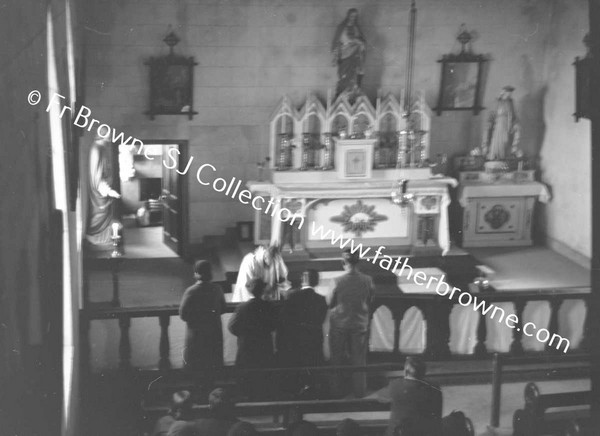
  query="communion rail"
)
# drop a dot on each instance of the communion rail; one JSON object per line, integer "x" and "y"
{"x": 435, "y": 309}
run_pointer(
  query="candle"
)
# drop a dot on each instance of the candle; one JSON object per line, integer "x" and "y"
{"x": 115, "y": 230}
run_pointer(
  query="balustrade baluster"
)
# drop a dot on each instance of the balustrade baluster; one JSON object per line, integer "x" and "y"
{"x": 124, "y": 343}
{"x": 164, "y": 347}
{"x": 429, "y": 317}
{"x": 480, "y": 348}
{"x": 555, "y": 305}
{"x": 398, "y": 315}
{"x": 441, "y": 332}
{"x": 516, "y": 347}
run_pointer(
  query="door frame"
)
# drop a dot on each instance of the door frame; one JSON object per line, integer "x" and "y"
{"x": 184, "y": 241}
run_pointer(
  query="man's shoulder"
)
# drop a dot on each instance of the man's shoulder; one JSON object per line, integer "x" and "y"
{"x": 312, "y": 295}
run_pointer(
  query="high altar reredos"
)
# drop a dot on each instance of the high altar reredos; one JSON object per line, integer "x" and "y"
{"x": 338, "y": 168}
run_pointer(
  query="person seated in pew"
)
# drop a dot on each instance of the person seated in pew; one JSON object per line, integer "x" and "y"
{"x": 348, "y": 427}
{"x": 300, "y": 335}
{"x": 201, "y": 307}
{"x": 253, "y": 323}
{"x": 242, "y": 428}
{"x": 178, "y": 421}
{"x": 302, "y": 428}
{"x": 408, "y": 428}
{"x": 415, "y": 402}
{"x": 221, "y": 418}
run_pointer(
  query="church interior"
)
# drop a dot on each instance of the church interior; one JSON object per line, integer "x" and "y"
{"x": 451, "y": 140}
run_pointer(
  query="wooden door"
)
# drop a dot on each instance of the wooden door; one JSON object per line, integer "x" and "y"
{"x": 171, "y": 196}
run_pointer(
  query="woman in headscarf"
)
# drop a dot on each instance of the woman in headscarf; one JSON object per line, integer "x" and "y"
{"x": 348, "y": 49}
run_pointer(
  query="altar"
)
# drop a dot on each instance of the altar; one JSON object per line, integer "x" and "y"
{"x": 361, "y": 211}
{"x": 353, "y": 173}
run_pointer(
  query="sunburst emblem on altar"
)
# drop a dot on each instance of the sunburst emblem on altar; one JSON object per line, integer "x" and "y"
{"x": 358, "y": 218}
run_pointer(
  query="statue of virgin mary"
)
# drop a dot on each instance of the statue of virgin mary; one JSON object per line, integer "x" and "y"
{"x": 348, "y": 49}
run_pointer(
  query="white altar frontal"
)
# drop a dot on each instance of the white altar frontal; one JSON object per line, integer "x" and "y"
{"x": 347, "y": 184}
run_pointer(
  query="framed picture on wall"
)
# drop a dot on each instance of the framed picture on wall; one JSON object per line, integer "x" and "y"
{"x": 171, "y": 86}
{"x": 460, "y": 84}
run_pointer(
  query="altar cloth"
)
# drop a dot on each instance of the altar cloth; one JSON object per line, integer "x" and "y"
{"x": 502, "y": 189}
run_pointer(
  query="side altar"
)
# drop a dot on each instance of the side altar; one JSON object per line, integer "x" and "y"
{"x": 353, "y": 171}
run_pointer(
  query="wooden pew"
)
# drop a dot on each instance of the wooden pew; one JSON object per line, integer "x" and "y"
{"x": 535, "y": 419}
{"x": 287, "y": 412}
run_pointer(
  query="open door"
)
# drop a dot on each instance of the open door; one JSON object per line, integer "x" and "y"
{"x": 172, "y": 198}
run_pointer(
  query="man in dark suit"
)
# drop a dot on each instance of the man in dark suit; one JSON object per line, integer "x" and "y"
{"x": 252, "y": 323}
{"x": 416, "y": 403}
{"x": 300, "y": 331}
{"x": 349, "y": 323}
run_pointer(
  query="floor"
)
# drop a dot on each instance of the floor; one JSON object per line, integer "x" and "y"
{"x": 145, "y": 243}
{"x": 530, "y": 268}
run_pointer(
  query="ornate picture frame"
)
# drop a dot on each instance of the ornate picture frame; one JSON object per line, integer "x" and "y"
{"x": 460, "y": 83}
{"x": 171, "y": 86}
{"x": 171, "y": 83}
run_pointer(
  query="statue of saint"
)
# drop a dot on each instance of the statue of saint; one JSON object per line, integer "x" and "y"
{"x": 100, "y": 194}
{"x": 503, "y": 127}
{"x": 348, "y": 49}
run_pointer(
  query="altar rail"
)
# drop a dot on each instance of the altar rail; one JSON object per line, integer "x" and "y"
{"x": 435, "y": 309}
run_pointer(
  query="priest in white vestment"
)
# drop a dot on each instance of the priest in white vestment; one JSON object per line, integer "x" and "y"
{"x": 265, "y": 263}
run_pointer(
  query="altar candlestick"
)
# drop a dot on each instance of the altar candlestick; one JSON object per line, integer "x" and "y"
{"x": 115, "y": 230}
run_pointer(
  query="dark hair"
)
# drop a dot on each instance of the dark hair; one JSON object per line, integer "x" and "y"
{"x": 181, "y": 403}
{"x": 219, "y": 401}
{"x": 350, "y": 11}
{"x": 256, "y": 287}
{"x": 203, "y": 269}
{"x": 242, "y": 428}
{"x": 312, "y": 277}
{"x": 350, "y": 257}
{"x": 414, "y": 367}
{"x": 295, "y": 279}
{"x": 348, "y": 427}
{"x": 302, "y": 428}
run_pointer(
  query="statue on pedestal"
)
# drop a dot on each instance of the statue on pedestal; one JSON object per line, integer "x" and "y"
{"x": 348, "y": 49}
{"x": 100, "y": 194}
{"x": 503, "y": 128}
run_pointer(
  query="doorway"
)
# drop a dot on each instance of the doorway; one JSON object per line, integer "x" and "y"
{"x": 154, "y": 199}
